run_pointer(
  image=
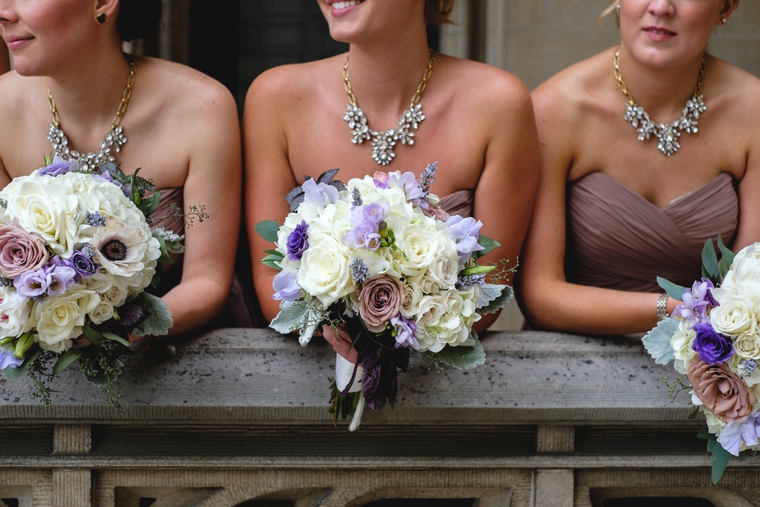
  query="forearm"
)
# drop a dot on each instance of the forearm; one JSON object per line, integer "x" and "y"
{"x": 567, "y": 307}
{"x": 195, "y": 303}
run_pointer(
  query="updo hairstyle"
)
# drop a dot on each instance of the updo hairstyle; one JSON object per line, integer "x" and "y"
{"x": 138, "y": 18}
{"x": 437, "y": 12}
{"x": 609, "y": 10}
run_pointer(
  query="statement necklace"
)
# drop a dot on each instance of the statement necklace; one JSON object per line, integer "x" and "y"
{"x": 666, "y": 133}
{"x": 383, "y": 142}
{"x": 114, "y": 139}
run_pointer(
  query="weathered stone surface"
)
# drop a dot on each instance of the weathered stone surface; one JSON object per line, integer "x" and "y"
{"x": 260, "y": 376}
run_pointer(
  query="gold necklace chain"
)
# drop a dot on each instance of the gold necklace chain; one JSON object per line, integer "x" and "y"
{"x": 122, "y": 105}
{"x": 624, "y": 88}
{"x": 420, "y": 87}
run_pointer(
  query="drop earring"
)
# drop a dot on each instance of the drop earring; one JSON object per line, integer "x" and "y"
{"x": 101, "y": 18}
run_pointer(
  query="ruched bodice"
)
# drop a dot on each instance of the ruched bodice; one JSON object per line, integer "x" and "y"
{"x": 619, "y": 240}
{"x": 458, "y": 203}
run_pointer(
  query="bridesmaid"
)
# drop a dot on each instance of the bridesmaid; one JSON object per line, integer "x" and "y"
{"x": 478, "y": 125}
{"x": 181, "y": 126}
{"x": 5, "y": 62}
{"x": 617, "y": 207}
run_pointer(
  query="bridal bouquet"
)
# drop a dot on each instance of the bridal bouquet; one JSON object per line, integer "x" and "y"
{"x": 713, "y": 338}
{"x": 76, "y": 255}
{"x": 380, "y": 259}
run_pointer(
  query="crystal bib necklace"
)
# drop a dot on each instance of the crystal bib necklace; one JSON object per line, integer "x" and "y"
{"x": 114, "y": 139}
{"x": 666, "y": 133}
{"x": 384, "y": 142}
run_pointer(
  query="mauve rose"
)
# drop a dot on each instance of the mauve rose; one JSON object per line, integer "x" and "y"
{"x": 437, "y": 213}
{"x": 20, "y": 251}
{"x": 379, "y": 301}
{"x": 722, "y": 391}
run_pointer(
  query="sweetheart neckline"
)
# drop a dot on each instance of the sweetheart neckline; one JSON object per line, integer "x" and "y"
{"x": 672, "y": 202}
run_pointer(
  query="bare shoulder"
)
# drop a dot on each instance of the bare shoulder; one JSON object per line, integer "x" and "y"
{"x": 186, "y": 90}
{"x": 571, "y": 93}
{"x": 289, "y": 84}
{"x": 740, "y": 89}
{"x": 486, "y": 86}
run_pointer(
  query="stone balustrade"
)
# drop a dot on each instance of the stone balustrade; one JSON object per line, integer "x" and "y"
{"x": 239, "y": 418}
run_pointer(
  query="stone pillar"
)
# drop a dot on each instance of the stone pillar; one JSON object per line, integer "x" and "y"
{"x": 554, "y": 488}
{"x": 555, "y": 439}
{"x": 72, "y": 487}
{"x": 455, "y": 37}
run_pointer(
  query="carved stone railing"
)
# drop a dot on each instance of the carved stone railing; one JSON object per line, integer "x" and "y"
{"x": 239, "y": 418}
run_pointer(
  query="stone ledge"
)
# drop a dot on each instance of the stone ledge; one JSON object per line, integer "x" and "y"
{"x": 253, "y": 376}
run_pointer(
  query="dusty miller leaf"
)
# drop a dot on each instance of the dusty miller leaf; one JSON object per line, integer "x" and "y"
{"x": 159, "y": 318}
{"x": 657, "y": 341}
{"x": 461, "y": 358}
{"x": 496, "y": 303}
{"x": 292, "y": 316}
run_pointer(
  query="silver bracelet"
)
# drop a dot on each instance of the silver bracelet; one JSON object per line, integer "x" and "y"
{"x": 662, "y": 306}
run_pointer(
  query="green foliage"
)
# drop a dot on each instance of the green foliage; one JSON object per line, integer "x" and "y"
{"x": 720, "y": 456}
{"x": 488, "y": 245}
{"x": 66, "y": 359}
{"x": 657, "y": 341}
{"x": 292, "y": 316}
{"x": 710, "y": 262}
{"x": 268, "y": 230}
{"x": 159, "y": 318}
{"x": 673, "y": 290}
{"x": 493, "y": 298}
{"x": 461, "y": 358}
{"x": 727, "y": 258}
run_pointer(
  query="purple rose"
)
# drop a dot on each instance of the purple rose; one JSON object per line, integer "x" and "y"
{"x": 83, "y": 264}
{"x": 8, "y": 359}
{"x": 286, "y": 286}
{"x": 712, "y": 347}
{"x": 33, "y": 283}
{"x": 20, "y": 251}
{"x": 59, "y": 167}
{"x": 298, "y": 242}
{"x": 465, "y": 232}
{"x": 405, "y": 332}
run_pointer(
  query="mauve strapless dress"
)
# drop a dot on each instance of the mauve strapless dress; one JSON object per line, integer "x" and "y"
{"x": 617, "y": 239}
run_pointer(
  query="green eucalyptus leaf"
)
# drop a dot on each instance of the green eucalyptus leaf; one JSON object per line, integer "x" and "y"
{"x": 720, "y": 459}
{"x": 66, "y": 359}
{"x": 93, "y": 336}
{"x": 488, "y": 245}
{"x": 727, "y": 258}
{"x": 710, "y": 261}
{"x": 673, "y": 290}
{"x": 268, "y": 230}
{"x": 116, "y": 338}
{"x": 272, "y": 264}
{"x": 275, "y": 253}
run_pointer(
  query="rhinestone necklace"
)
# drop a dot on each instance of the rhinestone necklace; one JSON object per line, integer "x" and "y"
{"x": 666, "y": 133}
{"x": 384, "y": 142}
{"x": 114, "y": 139}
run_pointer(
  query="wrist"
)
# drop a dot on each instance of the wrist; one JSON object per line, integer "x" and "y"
{"x": 662, "y": 306}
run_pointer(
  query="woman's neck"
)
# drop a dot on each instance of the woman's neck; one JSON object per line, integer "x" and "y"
{"x": 661, "y": 92}
{"x": 384, "y": 76}
{"x": 87, "y": 93}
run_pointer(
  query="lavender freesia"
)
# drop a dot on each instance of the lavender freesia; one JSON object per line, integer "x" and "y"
{"x": 61, "y": 278}
{"x": 712, "y": 347}
{"x": 8, "y": 359}
{"x": 286, "y": 286}
{"x": 465, "y": 232}
{"x": 59, "y": 166}
{"x": 33, "y": 283}
{"x": 408, "y": 182}
{"x": 735, "y": 433}
{"x": 319, "y": 193}
{"x": 405, "y": 332}
{"x": 696, "y": 303}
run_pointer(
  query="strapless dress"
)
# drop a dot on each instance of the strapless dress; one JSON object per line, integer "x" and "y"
{"x": 617, "y": 239}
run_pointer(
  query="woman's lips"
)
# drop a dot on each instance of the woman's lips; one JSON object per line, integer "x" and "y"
{"x": 14, "y": 43}
{"x": 659, "y": 34}
{"x": 343, "y": 7}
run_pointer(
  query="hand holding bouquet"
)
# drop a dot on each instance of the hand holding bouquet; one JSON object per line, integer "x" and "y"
{"x": 381, "y": 259}
{"x": 713, "y": 338}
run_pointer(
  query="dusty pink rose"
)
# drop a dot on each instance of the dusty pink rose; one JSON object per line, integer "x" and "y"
{"x": 722, "y": 391}
{"x": 20, "y": 251}
{"x": 381, "y": 179}
{"x": 437, "y": 213}
{"x": 379, "y": 301}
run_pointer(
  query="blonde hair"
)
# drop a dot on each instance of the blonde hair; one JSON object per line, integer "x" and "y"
{"x": 609, "y": 10}
{"x": 437, "y": 12}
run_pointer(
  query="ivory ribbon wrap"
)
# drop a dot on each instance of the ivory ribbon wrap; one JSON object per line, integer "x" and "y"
{"x": 343, "y": 371}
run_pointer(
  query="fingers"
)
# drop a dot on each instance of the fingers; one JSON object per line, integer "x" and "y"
{"x": 341, "y": 342}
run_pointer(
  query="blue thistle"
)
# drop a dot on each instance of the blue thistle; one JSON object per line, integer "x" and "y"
{"x": 465, "y": 282}
{"x": 749, "y": 366}
{"x": 359, "y": 271}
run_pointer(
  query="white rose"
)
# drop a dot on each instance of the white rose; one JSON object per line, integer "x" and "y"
{"x": 412, "y": 295}
{"x": 747, "y": 346}
{"x": 744, "y": 275}
{"x": 442, "y": 321}
{"x": 101, "y": 313}
{"x": 61, "y": 318}
{"x": 444, "y": 271}
{"x": 420, "y": 246}
{"x": 681, "y": 343}
{"x": 117, "y": 293}
{"x": 734, "y": 316}
{"x": 99, "y": 282}
{"x": 14, "y": 313}
{"x": 324, "y": 272}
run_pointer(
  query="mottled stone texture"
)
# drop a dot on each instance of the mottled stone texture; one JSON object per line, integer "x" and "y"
{"x": 238, "y": 418}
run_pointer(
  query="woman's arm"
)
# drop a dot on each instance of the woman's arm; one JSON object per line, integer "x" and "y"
{"x": 506, "y": 190}
{"x": 213, "y": 181}
{"x": 749, "y": 204}
{"x": 268, "y": 176}
{"x": 547, "y": 299}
